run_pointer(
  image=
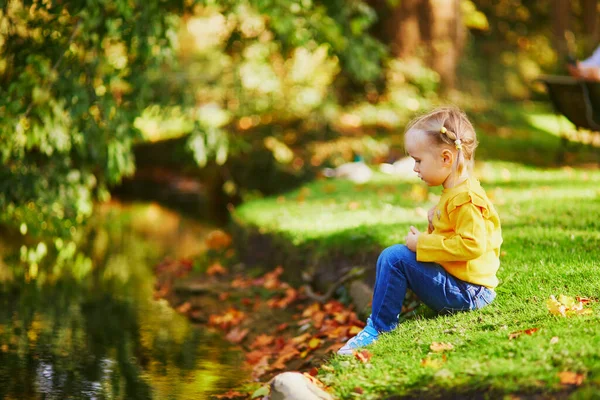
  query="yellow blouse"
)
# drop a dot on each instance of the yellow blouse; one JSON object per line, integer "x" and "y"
{"x": 466, "y": 235}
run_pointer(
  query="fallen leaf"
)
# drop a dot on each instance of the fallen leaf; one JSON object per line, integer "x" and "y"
{"x": 231, "y": 317}
{"x": 262, "y": 341}
{"x": 516, "y": 334}
{"x": 566, "y": 306}
{"x": 282, "y": 327}
{"x": 354, "y": 330}
{"x": 363, "y": 355}
{"x": 232, "y": 394}
{"x": 314, "y": 343}
{"x": 253, "y": 357}
{"x": 434, "y": 363}
{"x": 216, "y": 269}
{"x": 302, "y": 338}
{"x": 439, "y": 347}
{"x": 554, "y": 340}
{"x": 358, "y": 390}
{"x": 286, "y": 354}
{"x": 184, "y": 308}
{"x": 310, "y": 310}
{"x": 570, "y": 378}
{"x": 260, "y": 367}
{"x": 218, "y": 240}
{"x": 583, "y": 300}
{"x": 236, "y": 335}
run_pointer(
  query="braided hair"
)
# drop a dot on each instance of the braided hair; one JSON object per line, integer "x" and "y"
{"x": 449, "y": 126}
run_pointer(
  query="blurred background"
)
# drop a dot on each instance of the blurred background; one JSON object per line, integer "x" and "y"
{"x": 109, "y": 106}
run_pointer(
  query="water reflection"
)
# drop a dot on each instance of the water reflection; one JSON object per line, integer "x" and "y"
{"x": 95, "y": 332}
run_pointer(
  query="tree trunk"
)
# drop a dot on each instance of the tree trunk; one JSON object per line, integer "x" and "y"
{"x": 560, "y": 16}
{"x": 446, "y": 35}
{"x": 590, "y": 24}
{"x": 428, "y": 29}
{"x": 404, "y": 28}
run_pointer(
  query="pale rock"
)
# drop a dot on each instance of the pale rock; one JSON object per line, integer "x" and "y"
{"x": 295, "y": 386}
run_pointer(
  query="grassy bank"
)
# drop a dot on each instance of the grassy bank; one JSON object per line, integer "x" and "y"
{"x": 551, "y": 247}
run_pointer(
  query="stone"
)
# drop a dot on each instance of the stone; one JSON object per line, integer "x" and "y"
{"x": 296, "y": 386}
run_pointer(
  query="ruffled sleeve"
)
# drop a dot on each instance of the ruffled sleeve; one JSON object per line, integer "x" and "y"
{"x": 467, "y": 212}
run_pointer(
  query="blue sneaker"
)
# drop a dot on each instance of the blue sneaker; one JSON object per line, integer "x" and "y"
{"x": 364, "y": 338}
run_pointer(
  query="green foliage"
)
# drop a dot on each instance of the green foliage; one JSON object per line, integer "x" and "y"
{"x": 73, "y": 76}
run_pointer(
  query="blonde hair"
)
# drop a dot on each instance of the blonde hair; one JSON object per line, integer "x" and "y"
{"x": 445, "y": 126}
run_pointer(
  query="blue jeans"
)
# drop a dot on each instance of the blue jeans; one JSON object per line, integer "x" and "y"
{"x": 398, "y": 269}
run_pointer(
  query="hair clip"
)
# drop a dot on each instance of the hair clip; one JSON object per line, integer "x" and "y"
{"x": 443, "y": 129}
{"x": 458, "y": 144}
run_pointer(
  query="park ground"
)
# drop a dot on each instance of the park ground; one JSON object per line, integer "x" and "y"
{"x": 524, "y": 345}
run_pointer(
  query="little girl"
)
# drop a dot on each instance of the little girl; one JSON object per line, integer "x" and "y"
{"x": 451, "y": 267}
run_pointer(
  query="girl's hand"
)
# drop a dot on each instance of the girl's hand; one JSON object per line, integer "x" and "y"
{"x": 412, "y": 238}
{"x": 430, "y": 215}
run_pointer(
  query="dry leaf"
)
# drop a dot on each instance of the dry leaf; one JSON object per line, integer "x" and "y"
{"x": 216, "y": 269}
{"x": 314, "y": 343}
{"x": 262, "y": 341}
{"x": 236, "y": 335}
{"x": 440, "y": 347}
{"x": 434, "y": 363}
{"x": 570, "y": 378}
{"x": 232, "y": 394}
{"x": 218, "y": 240}
{"x": 566, "y": 306}
{"x": 184, "y": 308}
{"x": 363, "y": 355}
{"x": 516, "y": 334}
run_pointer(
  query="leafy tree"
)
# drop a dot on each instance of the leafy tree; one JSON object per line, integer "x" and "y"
{"x": 73, "y": 76}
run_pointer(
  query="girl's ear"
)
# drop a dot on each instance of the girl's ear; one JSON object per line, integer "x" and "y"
{"x": 447, "y": 157}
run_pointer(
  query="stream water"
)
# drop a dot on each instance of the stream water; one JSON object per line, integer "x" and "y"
{"x": 90, "y": 328}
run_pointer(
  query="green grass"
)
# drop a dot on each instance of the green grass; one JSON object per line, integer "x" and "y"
{"x": 552, "y": 240}
{"x": 551, "y": 230}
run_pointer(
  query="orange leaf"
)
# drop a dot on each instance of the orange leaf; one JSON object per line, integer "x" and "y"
{"x": 516, "y": 334}
{"x": 184, "y": 308}
{"x": 301, "y": 339}
{"x": 236, "y": 335}
{"x": 286, "y": 354}
{"x": 262, "y": 341}
{"x": 260, "y": 367}
{"x": 218, "y": 240}
{"x": 231, "y": 317}
{"x": 570, "y": 378}
{"x": 583, "y": 300}
{"x": 314, "y": 380}
{"x": 216, "y": 269}
{"x": 232, "y": 394}
{"x": 310, "y": 310}
{"x": 282, "y": 327}
{"x": 363, "y": 355}
{"x": 253, "y": 357}
{"x": 440, "y": 347}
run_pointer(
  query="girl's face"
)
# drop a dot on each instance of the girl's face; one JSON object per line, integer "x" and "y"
{"x": 433, "y": 163}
